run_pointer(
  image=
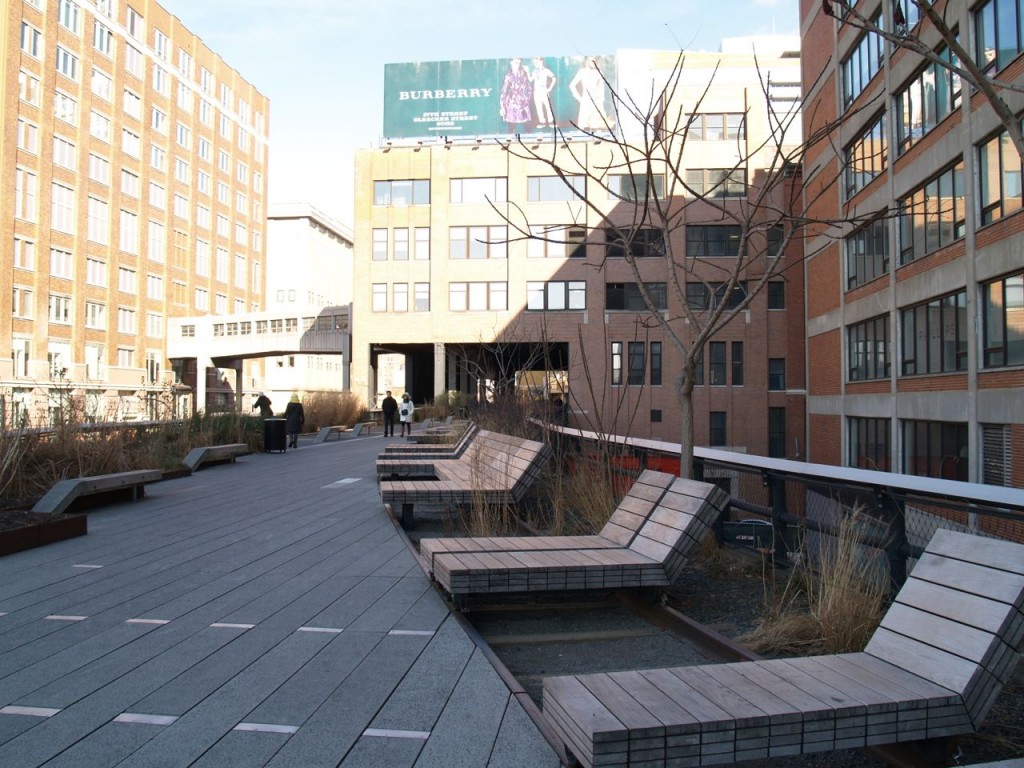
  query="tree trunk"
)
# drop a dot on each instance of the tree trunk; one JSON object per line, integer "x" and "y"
{"x": 685, "y": 391}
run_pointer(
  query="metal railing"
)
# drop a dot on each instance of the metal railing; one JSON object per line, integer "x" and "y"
{"x": 900, "y": 512}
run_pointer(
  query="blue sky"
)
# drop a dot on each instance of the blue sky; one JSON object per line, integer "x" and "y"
{"x": 321, "y": 62}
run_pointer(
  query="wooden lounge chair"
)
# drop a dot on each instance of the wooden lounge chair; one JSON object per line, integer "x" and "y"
{"x": 646, "y": 543}
{"x": 932, "y": 669}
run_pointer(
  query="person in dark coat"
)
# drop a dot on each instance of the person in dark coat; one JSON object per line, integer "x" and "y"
{"x": 389, "y": 407}
{"x": 295, "y": 417}
{"x": 263, "y": 403}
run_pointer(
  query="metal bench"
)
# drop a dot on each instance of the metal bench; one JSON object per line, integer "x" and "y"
{"x": 129, "y": 485}
{"x": 650, "y": 537}
{"x": 363, "y": 426}
{"x": 931, "y": 670}
{"x": 214, "y": 454}
{"x": 494, "y": 469}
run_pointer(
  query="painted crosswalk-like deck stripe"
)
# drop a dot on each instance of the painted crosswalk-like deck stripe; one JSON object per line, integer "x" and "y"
{"x": 31, "y": 711}
{"x": 86, "y": 565}
{"x": 225, "y": 625}
{"x": 328, "y": 630}
{"x": 62, "y": 617}
{"x": 419, "y": 632}
{"x": 147, "y": 621}
{"x": 138, "y": 717}
{"x": 266, "y": 728}
{"x": 390, "y": 733}
{"x": 341, "y": 483}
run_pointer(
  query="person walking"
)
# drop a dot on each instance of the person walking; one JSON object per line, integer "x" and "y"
{"x": 389, "y": 407}
{"x": 405, "y": 414}
{"x": 295, "y": 417}
{"x": 263, "y": 403}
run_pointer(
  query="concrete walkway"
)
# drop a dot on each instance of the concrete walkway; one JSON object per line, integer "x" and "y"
{"x": 262, "y": 613}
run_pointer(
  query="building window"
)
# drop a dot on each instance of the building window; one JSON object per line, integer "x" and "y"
{"x": 716, "y": 182}
{"x": 701, "y": 297}
{"x": 935, "y": 336}
{"x": 716, "y": 364}
{"x": 636, "y": 188}
{"x": 628, "y": 296}
{"x": 935, "y": 449}
{"x": 716, "y": 127}
{"x": 777, "y": 433}
{"x": 28, "y": 88}
{"x": 22, "y": 302}
{"x": 923, "y": 103}
{"x": 713, "y": 240}
{"x": 380, "y": 245}
{"x": 421, "y": 297}
{"x": 96, "y": 272}
{"x": 718, "y": 432}
{"x": 98, "y": 221}
{"x": 67, "y": 63}
{"x": 637, "y": 364}
{"x": 478, "y": 242}
{"x": 867, "y": 253}
{"x": 933, "y": 216}
{"x": 492, "y": 189}
{"x": 60, "y": 309}
{"x": 866, "y": 157}
{"x": 479, "y": 296}
{"x": 656, "y": 363}
{"x": 868, "y": 441}
{"x": 1003, "y": 322}
{"x": 400, "y": 297}
{"x": 737, "y": 363}
{"x": 556, "y": 242}
{"x": 862, "y": 64}
{"x": 421, "y": 244}
{"x": 133, "y": 61}
{"x": 868, "y": 350}
{"x": 102, "y": 39}
{"x": 62, "y": 210}
{"x": 997, "y": 33}
{"x": 129, "y": 232}
{"x": 95, "y": 315}
{"x": 556, "y": 295}
{"x": 616, "y": 361}
{"x": 31, "y": 40}
{"x": 24, "y": 253}
{"x": 402, "y": 193}
{"x": 379, "y": 301}
{"x": 638, "y": 243}
{"x": 25, "y": 195}
{"x": 776, "y": 294}
{"x": 999, "y": 179}
{"x": 65, "y": 108}
{"x": 776, "y": 374}
{"x": 61, "y": 263}
{"x": 555, "y": 189}
{"x": 401, "y": 244}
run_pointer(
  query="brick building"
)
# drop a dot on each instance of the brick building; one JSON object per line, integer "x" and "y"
{"x": 134, "y": 168}
{"x": 467, "y": 250}
{"x": 915, "y": 318}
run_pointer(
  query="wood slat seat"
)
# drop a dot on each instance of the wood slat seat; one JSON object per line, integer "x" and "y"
{"x": 932, "y": 669}
{"x": 417, "y": 459}
{"x": 646, "y": 542}
{"x": 494, "y": 468}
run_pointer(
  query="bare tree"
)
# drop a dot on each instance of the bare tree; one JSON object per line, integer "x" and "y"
{"x": 912, "y": 35}
{"x": 638, "y": 161}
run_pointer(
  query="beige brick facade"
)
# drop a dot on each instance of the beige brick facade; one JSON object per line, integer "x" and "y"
{"x": 134, "y": 163}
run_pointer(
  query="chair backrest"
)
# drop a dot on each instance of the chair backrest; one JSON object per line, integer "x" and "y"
{"x": 636, "y": 507}
{"x": 679, "y": 523}
{"x": 958, "y": 621}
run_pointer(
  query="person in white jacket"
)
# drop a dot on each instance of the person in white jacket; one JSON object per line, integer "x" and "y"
{"x": 405, "y": 409}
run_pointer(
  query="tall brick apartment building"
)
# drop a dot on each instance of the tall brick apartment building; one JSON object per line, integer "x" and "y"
{"x": 447, "y": 272}
{"x": 915, "y": 321}
{"x": 134, "y": 176}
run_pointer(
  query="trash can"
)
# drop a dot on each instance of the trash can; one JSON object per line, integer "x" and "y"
{"x": 274, "y": 438}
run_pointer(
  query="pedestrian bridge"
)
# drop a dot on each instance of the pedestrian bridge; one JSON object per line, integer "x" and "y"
{"x": 225, "y": 341}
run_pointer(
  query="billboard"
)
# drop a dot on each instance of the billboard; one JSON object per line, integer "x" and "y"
{"x": 495, "y": 97}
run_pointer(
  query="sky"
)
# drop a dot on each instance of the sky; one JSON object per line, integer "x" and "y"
{"x": 321, "y": 62}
